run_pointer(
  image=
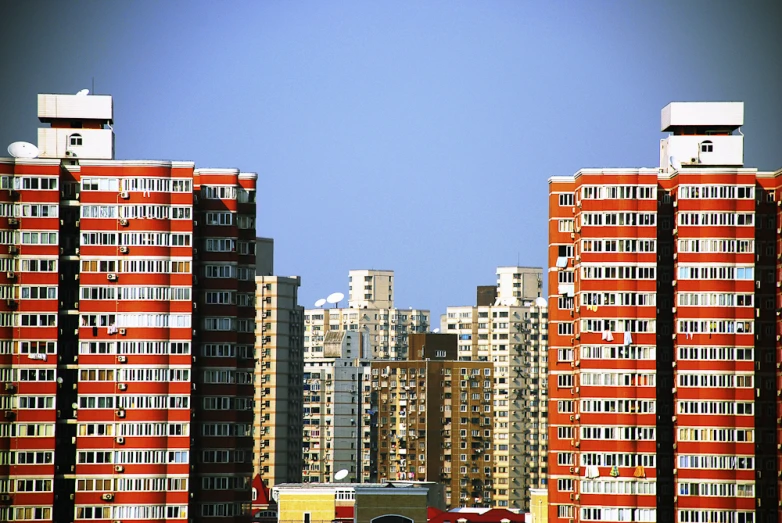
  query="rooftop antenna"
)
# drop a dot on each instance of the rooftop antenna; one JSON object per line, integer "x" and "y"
{"x": 335, "y": 298}
{"x": 23, "y": 150}
{"x": 320, "y": 303}
{"x": 93, "y": 84}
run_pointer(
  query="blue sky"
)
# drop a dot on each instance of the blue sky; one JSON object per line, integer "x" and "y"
{"x": 413, "y": 136}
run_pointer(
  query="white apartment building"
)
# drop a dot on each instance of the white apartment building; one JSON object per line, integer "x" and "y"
{"x": 512, "y": 334}
{"x": 333, "y": 410}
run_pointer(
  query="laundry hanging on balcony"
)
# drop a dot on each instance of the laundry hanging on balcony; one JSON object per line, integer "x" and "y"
{"x": 607, "y": 336}
{"x": 591, "y": 472}
{"x": 639, "y": 472}
{"x": 628, "y": 338}
{"x": 614, "y": 471}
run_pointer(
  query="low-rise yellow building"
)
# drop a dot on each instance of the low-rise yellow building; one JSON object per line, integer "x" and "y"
{"x": 353, "y": 502}
{"x": 539, "y": 505}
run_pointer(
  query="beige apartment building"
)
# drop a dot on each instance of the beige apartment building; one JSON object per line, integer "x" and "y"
{"x": 277, "y": 425}
{"x": 508, "y": 329}
{"x": 383, "y": 329}
{"x": 434, "y": 421}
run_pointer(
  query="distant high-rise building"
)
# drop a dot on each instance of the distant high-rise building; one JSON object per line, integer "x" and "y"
{"x": 126, "y": 330}
{"x": 511, "y": 333}
{"x": 279, "y": 363}
{"x": 664, "y": 352}
{"x": 434, "y": 420}
{"x": 384, "y": 330}
{"x": 371, "y": 289}
{"x": 332, "y": 410}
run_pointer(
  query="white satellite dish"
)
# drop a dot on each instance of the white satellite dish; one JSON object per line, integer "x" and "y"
{"x": 23, "y": 150}
{"x": 435, "y": 331}
{"x": 335, "y": 297}
{"x": 541, "y": 302}
{"x": 341, "y": 474}
{"x": 676, "y": 164}
{"x": 320, "y": 303}
{"x": 83, "y": 92}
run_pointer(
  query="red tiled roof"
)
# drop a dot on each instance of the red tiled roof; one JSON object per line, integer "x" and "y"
{"x": 494, "y": 515}
{"x": 263, "y": 492}
{"x": 432, "y": 512}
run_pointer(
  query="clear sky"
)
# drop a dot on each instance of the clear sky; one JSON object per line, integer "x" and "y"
{"x": 415, "y": 136}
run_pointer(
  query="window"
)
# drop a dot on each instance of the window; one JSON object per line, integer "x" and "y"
{"x": 707, "y": 146}
{"x": 75, "y": 139}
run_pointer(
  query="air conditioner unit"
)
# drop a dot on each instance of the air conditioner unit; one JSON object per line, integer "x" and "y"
{"x": 122, "y": 332}
{"x": 111, "y": 276}
{"x": 5, "y": 497}
{"x": 578, "y": 417}
{"x": 572, "y": 470}
{"x": 572, "y": 236}
{"x": 124, "y": 222}
{"x": 10, "y": 275}
{"x": 9, "y": 387}
{"x": 13, "y": 249}
{"x": 107, "y": 496}
{"x": 675, "y": 231}
{"x": 578, "y": 444}
{"x": 119, "y": 468}
{"x": 123, "y": 249}
{"x": 13, "y": 221}
{"x": 77, "y": 250}
{"x": 122, "y": 386}
{"x": 572, "y": 418}
{"x": 124, "y": 195}
{"x": 121, "y": 413}
{"x": 122, "y": 359}
{"x": 572, "y": 497}
{"x": 120, "y": 440}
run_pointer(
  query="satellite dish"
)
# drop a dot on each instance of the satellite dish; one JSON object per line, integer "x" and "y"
{"x": 541, "y": 302}
{"x": 320, "y": 303}
{"x": 23, "y": 150}
{"x": 676, "y": 164}
{"x": 335, "y": 297}
{"x": 83, "y": 92}
{"x": 342, "y": 474}
{"x": 435, "y": 331}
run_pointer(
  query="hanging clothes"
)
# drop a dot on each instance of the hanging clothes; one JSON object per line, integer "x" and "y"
{"x": 609, "y": 336}
{"x": 628, "y": 338}
{"x": 639, "y": 472}
{"x": 614, "y": 471}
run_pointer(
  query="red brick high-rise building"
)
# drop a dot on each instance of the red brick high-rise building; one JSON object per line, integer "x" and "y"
{"x": 664, "y": 333}
{"x": 126, "y": 330}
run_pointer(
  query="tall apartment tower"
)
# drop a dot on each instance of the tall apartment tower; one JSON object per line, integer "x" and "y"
{"x": 371, "y": 289}
{"x": 126, "y": 337}
{"x": 511, "y": 333}
{"x": 664, "y": 361}
{"x": 434, "y": 420}
{"x": 332, "y": 410}
{"x": 384, "y": 329}
{"x": 279, "y": 362}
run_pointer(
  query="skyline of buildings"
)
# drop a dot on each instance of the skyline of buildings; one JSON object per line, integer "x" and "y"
{"x": 656, "y": 397}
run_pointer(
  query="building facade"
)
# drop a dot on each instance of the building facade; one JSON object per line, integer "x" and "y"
{"x": 332, "y": 410}
{"x": 279, "y": 362}
{"x": 663, "y": 303}
{"x": 384, "y": 329}
{"x": 511, "y": 333}
{"x": 434, "y": 421}
{"x": 127, "y": 330}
